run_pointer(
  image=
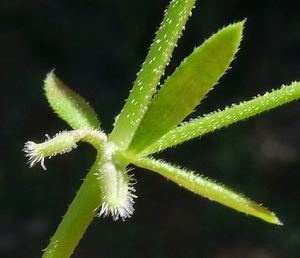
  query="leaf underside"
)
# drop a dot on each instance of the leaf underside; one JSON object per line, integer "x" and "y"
{"x": 207, "y": 188}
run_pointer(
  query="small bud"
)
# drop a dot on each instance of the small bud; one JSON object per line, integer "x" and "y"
{"x": 120, "y": 203}
{"x": 116, "y": 186}
{"x": 63, "y": 142}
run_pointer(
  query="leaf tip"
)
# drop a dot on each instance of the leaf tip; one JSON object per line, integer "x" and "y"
{"x": 69, "y": 105}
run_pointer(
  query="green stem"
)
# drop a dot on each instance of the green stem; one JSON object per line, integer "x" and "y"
{"x": 86, "y": 202}
{"x": 79, "y": 215}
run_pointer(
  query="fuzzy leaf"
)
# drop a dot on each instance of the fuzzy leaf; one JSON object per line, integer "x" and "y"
{"x": 209, "y": 189}
{"x": 217, "y": 120}
{"x": 152, "y": 69}
{"x": 68, "y": 105}
{"x": 187, "y": 86}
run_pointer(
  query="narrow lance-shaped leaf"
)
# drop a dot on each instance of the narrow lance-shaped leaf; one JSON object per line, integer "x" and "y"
{"x": 214, "y": 121}
{"x": 152, "y": 69}
{"x": 68, "y": 105}
{"x": 208, "y": 189}
{"x": 187, "y": 86}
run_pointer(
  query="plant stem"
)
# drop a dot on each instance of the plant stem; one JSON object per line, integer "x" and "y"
{"x": 79, "y": 215}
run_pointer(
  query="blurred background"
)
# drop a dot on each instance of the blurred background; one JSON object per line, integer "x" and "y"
{"x": 97, "y": 47}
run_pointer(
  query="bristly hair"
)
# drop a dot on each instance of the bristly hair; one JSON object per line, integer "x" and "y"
{"x": 121, "y": 211}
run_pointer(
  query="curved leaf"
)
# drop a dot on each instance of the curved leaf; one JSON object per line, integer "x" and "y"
{"x": 68, "y": 105}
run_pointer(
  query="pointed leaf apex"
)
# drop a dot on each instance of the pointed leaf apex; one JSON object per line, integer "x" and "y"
{"x": 187, "y": 86}
{"x": 68, "y": 105}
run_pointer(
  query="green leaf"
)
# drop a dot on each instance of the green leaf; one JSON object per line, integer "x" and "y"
{"x": 152, "y": 69}
{"x": 207, "y": 188}
{"x": 187, "y": 86}
{"x": 68, "y": 105}
{"x": 217, "y": 120}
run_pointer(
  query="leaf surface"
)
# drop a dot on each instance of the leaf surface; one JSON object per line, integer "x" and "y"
{"x": 152, "y": 69}
{"x": 208, "y": 188}
{"x": 68, "y": 105}
{"x": 187, "y": 86}
{"x": 216, "y": 120}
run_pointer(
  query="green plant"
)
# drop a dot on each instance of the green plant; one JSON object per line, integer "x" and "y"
{"x": 149, "y": 123}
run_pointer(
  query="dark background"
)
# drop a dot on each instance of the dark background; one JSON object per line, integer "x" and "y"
{"x": 97, "y": 47}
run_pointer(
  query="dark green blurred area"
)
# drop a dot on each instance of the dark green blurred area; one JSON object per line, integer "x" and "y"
{"x": 97, "y": 47}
